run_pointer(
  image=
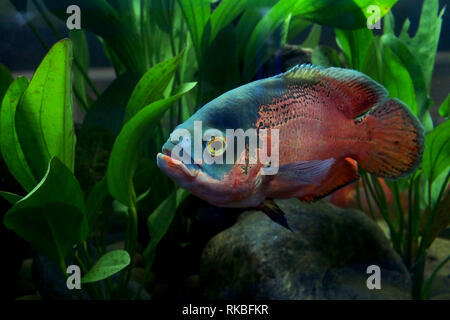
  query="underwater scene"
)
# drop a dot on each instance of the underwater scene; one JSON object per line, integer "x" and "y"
{"x": 209, "y": 150}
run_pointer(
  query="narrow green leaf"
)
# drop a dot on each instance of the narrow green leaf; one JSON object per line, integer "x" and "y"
{"x": 265, "y": 27}
{"x": 425, "y": 42}
{"x": 313, "y": 39}
{"x": 51, "y": 217}
{"x": 445, "y": 107}
{"x": 128, "y": 146}
{"x": 44, "y": 117}
{"x": 10, "y": 197}
{"x": 152, "y": 85}
{"x": 355, "y": 45}
{"x": 108, "y": 264}
{"x": 81, "y": 54}
{"x": 326, "y": 57}
{"x": 9, "y": 142}
{"x": 436, "y": 157}
{"x": 159, "y": 221}
{"x": 95, "y": 201}
{"x": 5, "y": 80}
{"x": 196, "y": 13}
{"x": 224, "y": 14}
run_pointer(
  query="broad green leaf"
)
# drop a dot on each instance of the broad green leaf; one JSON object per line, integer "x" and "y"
{"x": 117, "y": 29}
{"x": 313, "y": 39}
{"x": 9, "y": 142}
{"x": 445, "y": 107}
{"x": 436, "y": 157}
{"x": 95, "y": 201}
{"x": 10, "y": 197}
{"x": 5, "y": 80}
{"x": 343, "y": 14}
{"x": 108, "y": 264}
{"x": 425, "y": 42}
{"x": 296, "y": 25}
{"x": 355, "y": 44}
{"x": 397, "y": 80}
{"x": 159, "y": 221}
{"x": 128, "y": 146}
{"x": 81, "y": 54}
{"x": 51, "y": 217}
{"x": 411, "y": 64}
{"x": 44, "y": 117}
{"x": 152, "y": 85}
{"x": 224, "y": 14}
{"x": 196, "y": 13}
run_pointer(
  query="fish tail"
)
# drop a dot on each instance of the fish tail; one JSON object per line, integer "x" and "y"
{"x": 395, "y": 140}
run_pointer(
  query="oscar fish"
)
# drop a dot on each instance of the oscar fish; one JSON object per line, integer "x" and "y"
{"x": 329, "y": 120}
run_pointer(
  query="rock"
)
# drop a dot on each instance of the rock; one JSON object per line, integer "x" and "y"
{"x": 138, "y": 275}
{"x": 190, "y": 289}
{"x": 325, "y": 257}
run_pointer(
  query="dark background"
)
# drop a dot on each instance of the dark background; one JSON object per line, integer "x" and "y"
{"x": 20, "y": 50}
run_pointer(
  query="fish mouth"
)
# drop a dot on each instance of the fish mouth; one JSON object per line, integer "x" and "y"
{"x": 171, "y": 162}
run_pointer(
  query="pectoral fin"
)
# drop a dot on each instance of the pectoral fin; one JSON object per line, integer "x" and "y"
{"x": 306, "y": 172}
{"x": 342, "y": 173}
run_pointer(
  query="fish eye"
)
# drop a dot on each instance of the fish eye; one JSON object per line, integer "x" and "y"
{"x": 217, "y": 146}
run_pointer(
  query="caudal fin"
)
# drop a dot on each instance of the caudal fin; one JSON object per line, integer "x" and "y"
{"x": 395, "y": 140}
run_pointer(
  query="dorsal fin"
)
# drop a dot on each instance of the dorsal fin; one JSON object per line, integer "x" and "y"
{"x": 353, "y": 92}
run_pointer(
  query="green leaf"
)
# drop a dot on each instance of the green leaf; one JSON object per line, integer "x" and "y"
{"x": 51, "y": 217}
{"x": 159, "y": 221}
{"x": 81, "y": 54}
{"x": 265, "y": 27}
{"x": 355, "y": 45}
{"x": 326, "y": 57}
{"x": 152, "y": 85}
{"x": 44, "y": 117}
{"x": 95, "y": 201}
{"x": 5, "y": 80}
{"x": 9, "y": 142}
{"x": 10, "y": 197}
{"x": 117, "y": 29}
{"x": 411, "y": 64}
{"x": 397, "y": 80}
{"x": 128, "y": 146}
{"x": 108, "y": 264}
{"x": 224, "y": 14}
{"x": 425, "y": 42}
{"x": 196, "y": 13}
{"x": 445, "y": 107}
{"x": 162, "y": 11}
{"x": 343, "y": 14}
{"x": 313, "y": 39}
{"x": 436, "y": 157}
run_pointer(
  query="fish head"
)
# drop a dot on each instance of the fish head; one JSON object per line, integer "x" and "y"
{"x": 196, "y": 155}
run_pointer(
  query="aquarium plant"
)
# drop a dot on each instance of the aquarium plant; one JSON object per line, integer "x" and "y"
{"x": 170, "y": 57}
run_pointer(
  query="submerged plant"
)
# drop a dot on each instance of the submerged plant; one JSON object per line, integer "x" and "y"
{"x": 75, "y": 179}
